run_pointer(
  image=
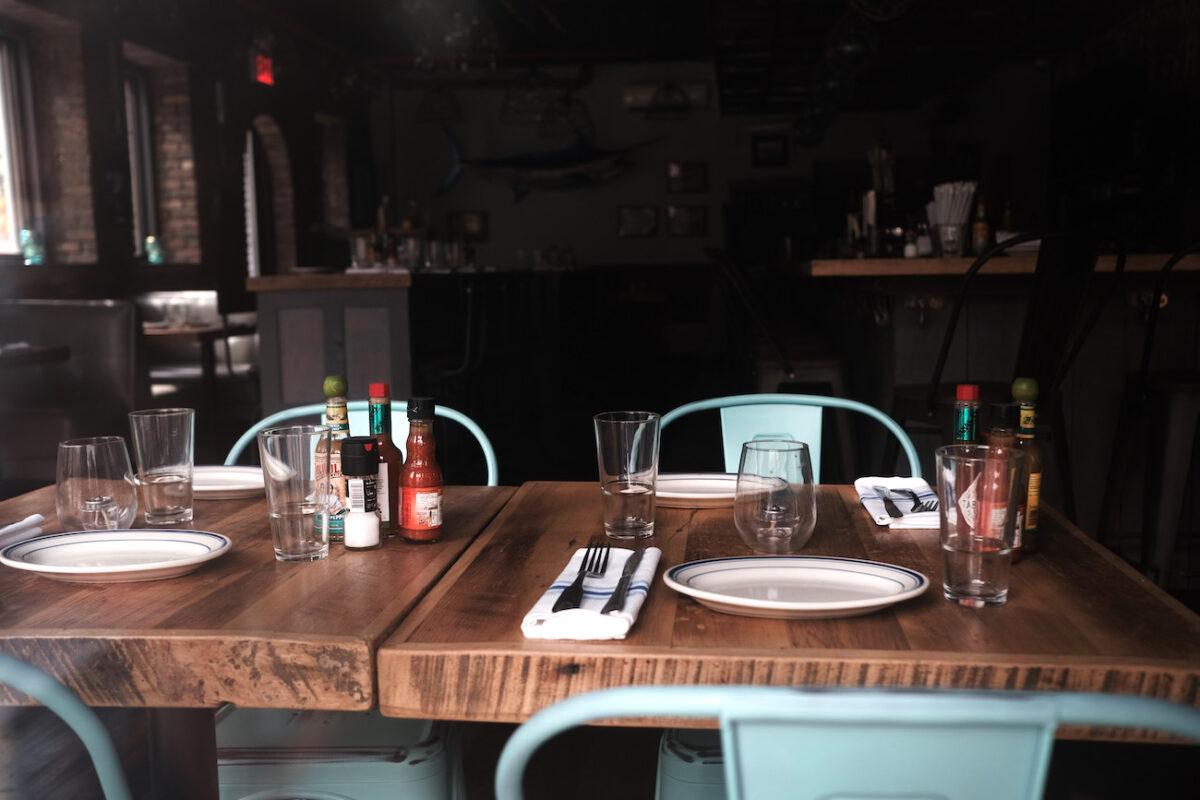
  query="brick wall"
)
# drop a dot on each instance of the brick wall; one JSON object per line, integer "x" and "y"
{"x": 174, "y": 164}
{"x": 60, "y": 116}
{"x": 279, "y": 166}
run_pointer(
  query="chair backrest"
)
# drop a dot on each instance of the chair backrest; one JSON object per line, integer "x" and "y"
{"x": 746, "y": 417}
{"x": 359, "y": 426}
{"x": 781, "y": 743}
{"x": 1057, "y": 293}
{"x": 53, "y": 695}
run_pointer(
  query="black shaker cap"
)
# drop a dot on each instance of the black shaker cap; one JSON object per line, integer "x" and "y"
{"x": 420, "y": 408}
{"x": 360, "y": 455}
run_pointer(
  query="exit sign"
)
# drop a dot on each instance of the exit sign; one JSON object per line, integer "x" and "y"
{"x": 264, "y": 69}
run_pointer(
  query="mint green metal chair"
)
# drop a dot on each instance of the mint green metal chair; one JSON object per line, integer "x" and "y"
{"x": 746, "y": 417}
{"x": 781, "y": 743}
{"x": 82, "y": 720}
{"x": 359, "y": 426}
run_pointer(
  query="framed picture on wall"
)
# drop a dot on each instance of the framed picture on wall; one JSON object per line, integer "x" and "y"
{"x": 769, "y": 150}
{"x": 468, "y": 226}
{"x": 637, "y": 222}
{"x": 687, "y": 177}
{"x": 687, "y": 220}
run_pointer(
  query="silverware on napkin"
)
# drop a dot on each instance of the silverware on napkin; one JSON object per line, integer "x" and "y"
{"x": 617, "y": 601}
{"x": 891, "y": 508}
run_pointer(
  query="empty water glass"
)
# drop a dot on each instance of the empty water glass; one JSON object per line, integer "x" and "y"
{"x": 627, "y": 452}
{"x": 295, "y": 465}
{"x": 94, "y": 489}
{"x": 775, "y": 506}
{"x": 164, "y": 443}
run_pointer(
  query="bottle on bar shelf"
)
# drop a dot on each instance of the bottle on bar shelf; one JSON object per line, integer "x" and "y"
{"x": 1003, "y": 434}
{"x": 421, "y": 477}
{"x": 390, "y": 458}
{"x": 1025, "y": 393}
{"x": 966, "y": 414}
{"x": 981, "y": 231}
{"x": 338, "y": 421}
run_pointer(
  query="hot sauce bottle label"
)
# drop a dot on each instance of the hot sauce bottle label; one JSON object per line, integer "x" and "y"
{"x": 1033, "y": 500}
{"x": 966, "y": 425}
{"x": 968, "y": 502}
{"x": 382, "y": 492}
{"x": 422, "y": 509}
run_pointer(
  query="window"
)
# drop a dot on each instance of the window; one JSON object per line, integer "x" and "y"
{"x": 14, "y": 211}
{"x": 141, "y": 160}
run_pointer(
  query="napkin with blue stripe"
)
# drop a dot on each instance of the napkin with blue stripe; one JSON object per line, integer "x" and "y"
{"x": 586, "y": 622}
{"x": 895, "y": 486}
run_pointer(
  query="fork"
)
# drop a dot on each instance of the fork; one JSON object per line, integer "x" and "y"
{"x": 919, "y": 505}
{"x": 593, "y": 565}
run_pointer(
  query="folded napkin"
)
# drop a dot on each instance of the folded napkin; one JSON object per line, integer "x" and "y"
{"x": 874, "y": 504}
{"x": 27, "y": 528}
{"x": 586, "y": 622}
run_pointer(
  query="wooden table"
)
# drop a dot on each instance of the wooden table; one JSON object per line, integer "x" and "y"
{"x": 244, "y": 629}
{"x": 1078, "y": 619}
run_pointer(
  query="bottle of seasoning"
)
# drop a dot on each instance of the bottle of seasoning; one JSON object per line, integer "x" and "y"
{"x": 421, "y": 477}
{"x": 966, "y": 414}
{"x": 1025, "y": 392}
{"x": 339, "y": 424}
{"x": 360, "y": 467}
{"x": 390, "y": 458}
{"x": 1003, "y": 435}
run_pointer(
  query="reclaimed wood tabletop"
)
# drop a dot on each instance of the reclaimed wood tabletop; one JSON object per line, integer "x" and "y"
{"x": 1078, "y": 618}
{"x": 244, "y": 629}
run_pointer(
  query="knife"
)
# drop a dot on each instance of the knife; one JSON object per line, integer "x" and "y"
{"x": 617, "y": 601}
{"x": 888, "y": 506}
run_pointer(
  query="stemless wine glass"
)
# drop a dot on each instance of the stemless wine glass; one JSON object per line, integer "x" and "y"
{"x": 775, "y": 508}
{"x": 95, "y": 487}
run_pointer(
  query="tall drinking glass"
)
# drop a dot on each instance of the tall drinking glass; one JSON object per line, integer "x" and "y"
{"x": 295, "y": 464}
{"x": 627, "y": 451}
{"x": 775, "y": 506}
{"x": 94, "y": 489}
{"x": 164, "y": 441}
{"x": 979, "y": 488}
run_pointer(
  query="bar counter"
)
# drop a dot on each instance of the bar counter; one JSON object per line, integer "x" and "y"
{"x": 1021, "y": 264}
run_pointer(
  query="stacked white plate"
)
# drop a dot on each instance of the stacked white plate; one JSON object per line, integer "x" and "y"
{"x": 227, "y": 483}
{"x": 696, "y": 490}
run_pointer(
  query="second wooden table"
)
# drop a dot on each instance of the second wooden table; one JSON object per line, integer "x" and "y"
{"x": 1078, "y": 619}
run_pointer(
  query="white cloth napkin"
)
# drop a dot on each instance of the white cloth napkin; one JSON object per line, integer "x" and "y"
{"x": 874, "y": 505}
{"x": 586, "y": 622}
{"x": 27, "y": 528}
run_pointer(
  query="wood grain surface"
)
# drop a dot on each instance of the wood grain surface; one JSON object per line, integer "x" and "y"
{"x": 244, "y": 629}
{"x": 1078, "y": 619}
{"x": 1020, "y": 264}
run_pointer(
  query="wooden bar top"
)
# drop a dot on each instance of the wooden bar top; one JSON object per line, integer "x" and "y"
{"x": 327, "y": 281}
{"x": 1078, "y": 618}
{"x": 243, "y": 629}
{"x": 1020, "y": 264}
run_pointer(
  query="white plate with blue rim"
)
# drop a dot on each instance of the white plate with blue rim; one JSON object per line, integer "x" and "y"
{"x": 696, "y": 489}
{"x": 795, "y": 587}
{"x": 116, "y": 556}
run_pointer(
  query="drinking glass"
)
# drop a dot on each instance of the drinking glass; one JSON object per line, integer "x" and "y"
{"x": 164, "y": 443}
{"x": 295, "y": 464}
{"x": 775, "y": 506}
{"x": 95, "y": 485}
{"x": 979, "y": 488}
{"x": 627, "y": 451}
{"x": 952, "y": 239}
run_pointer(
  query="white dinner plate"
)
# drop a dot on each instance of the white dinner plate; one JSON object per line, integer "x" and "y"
{"x": 227, "y": 483}
{"x": 795, "y": 587}
{"x": 116, "y": 556}
{"x": 696, "y": 490}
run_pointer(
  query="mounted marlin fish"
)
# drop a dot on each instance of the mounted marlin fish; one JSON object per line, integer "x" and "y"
{"x": 579, "y": 166}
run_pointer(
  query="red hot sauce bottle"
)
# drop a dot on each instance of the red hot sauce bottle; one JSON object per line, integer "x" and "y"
{"x": 420, "y": 477}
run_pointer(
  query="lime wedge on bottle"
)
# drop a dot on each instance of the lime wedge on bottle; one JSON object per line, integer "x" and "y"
{"x": 1025, "y": 390}
{"x": 335, "y": 386}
